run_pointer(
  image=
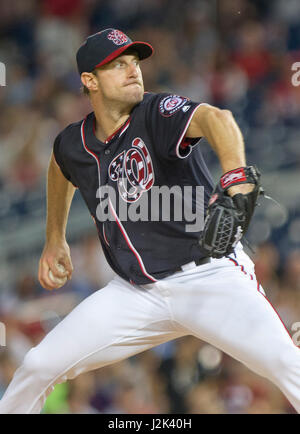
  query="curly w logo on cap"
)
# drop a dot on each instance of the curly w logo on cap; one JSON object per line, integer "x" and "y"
{"x": 117, "y": 37}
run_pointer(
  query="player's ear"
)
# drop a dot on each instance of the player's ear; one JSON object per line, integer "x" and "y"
{"x": 89, "y": 80}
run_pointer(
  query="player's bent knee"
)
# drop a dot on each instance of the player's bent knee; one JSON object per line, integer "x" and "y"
{"x": 36, "y": 364}
{"x": 285, "y": 364}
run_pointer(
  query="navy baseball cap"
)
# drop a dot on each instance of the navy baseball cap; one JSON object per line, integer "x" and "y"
{"x": 104, "y": 46}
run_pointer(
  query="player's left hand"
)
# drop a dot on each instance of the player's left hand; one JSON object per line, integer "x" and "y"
{"x": 57, "y": 259}
{"x": 229, "y": 214}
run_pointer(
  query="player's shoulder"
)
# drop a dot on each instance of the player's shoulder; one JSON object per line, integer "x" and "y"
{"x": 71, "y": 131}
{"x": 71, "y": 134}
{"x": 68, "y": 141}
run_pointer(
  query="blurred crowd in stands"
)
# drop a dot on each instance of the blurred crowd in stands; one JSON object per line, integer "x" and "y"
{"x": 235, "y": 54}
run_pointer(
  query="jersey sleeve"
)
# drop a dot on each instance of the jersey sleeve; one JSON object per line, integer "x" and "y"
{"x": 58, "y": 155}
{"x": 168, "y": 118}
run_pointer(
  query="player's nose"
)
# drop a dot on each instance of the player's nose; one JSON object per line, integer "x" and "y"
{"x": 133, "y": 70}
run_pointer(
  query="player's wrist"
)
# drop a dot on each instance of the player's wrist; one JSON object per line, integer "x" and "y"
{"x": 241, "y": 188}
{"x": 55, "y": 238}
{"x": 241, "y": 180}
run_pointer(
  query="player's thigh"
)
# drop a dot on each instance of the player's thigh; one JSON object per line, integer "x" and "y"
{"x": 112, "y": 324}
{"x": 228, "y": 309}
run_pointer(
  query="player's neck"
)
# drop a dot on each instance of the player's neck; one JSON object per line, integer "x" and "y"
{"x": 109, "y": 121}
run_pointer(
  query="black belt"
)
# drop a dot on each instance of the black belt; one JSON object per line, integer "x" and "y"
{"x": 193, "y": 264}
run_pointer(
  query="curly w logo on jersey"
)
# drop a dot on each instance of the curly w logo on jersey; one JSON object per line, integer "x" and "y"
{"x": 133, "y": 171}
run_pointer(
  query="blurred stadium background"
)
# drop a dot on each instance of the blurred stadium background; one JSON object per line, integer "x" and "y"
{"x": 235, "y": 54}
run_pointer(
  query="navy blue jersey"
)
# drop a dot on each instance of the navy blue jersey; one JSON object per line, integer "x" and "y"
{"x": 149, "y": 152}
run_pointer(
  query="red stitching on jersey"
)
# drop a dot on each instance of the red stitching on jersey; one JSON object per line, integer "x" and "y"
{"x": 122, "y": 127}
{"x": 183, "y": 134}
{"x": 104, "y": 235}
{"x": 185, "y": 143}
{"x": 115, "y": 215}
{"x": 118, "y": 130}
{"x": 87, "y": 149}
{"x": 127, "y": 239}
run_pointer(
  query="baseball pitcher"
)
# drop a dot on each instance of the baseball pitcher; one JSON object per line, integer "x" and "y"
{"x": 170, "y": 282}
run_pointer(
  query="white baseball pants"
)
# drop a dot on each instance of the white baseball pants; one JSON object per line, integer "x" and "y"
{"x": 220, "y": 303}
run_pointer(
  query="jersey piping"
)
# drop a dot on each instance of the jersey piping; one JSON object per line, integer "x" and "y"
{"x": 120, "y": 226}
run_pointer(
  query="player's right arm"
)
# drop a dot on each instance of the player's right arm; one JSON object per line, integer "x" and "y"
{"x": 60, "y": 194}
